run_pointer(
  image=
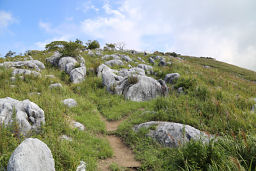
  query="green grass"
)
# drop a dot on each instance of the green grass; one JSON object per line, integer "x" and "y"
{"x": 215, "y": 100}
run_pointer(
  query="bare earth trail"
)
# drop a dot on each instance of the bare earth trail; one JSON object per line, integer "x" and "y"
{"x": 122, "y": 155}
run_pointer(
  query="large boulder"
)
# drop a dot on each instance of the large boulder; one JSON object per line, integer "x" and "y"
{"x": 172, "y": 134}
{"x": 25, "y": 72}
{"x": 28, "y": 115}
{"x": 147, "y": 68}
{"x": 54, "y": 59}
{"x": 103, "y": 68}
{"x": 67, "y": 64}
{"x": 77, "y": 75}
{"x": 31, "y": 155}
{"x": 110, "y": 79}
{"x": 140, "y": 88}
{"x": 126, "y": 58}
{"x": 131, "y": 71}
{"x": 114, "y": 62}
{"x": 171, "y": 78}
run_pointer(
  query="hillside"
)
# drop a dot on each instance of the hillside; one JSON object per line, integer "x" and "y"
{"x": 211, "y": 96}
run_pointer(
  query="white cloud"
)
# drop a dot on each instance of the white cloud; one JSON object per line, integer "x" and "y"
{"x": 87, "y": 6}
{"x": 6, "y": 19}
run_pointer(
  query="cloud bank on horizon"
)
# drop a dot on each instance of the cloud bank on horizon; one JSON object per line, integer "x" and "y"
{"x": 224, "y": 30}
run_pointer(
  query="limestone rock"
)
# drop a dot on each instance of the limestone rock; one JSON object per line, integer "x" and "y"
{"x": 172, "y": 134}
{"x": 114, "y": 62}
{"x": 28, "y": 115}
{"x": 31, "y": 155}
{"x": 67, "y": 64}
{"x": 170, "y": 78}
{"x": 77, "y": 75}
{"x": 55, "y": 85}
{"x": 25, "y": 72}
{"x": 141, "y": 88}
{"x": 147, "y": 68}
{"x": 81, "y": 167}
{"x": 70, "y": 103}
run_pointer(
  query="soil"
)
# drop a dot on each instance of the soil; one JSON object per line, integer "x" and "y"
{"x": 122, "y": 155}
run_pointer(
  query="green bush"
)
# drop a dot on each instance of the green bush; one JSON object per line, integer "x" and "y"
{"x": 93, "y": 44}
{"x": 71, "y": 49}
{"x": 132, "y": 80}
{"x": 55, "y": 45}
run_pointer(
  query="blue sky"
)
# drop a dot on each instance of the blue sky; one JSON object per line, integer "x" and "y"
{"x": 221, "y": 29}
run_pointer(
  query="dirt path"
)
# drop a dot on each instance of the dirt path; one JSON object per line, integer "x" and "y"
{"x": 122, "y": 155}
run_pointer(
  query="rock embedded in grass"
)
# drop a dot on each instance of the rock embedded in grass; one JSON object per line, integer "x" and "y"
{"x": 172, "y": 134}
{"x": 31, "y": 155}
{"x": 70, "y": 103}
{"x": 114, "y": 62}
{"x": 147, "y": 68}
{"x": 81, "y": 166}
{"x": 55, "y": 85}
{"x": 27, "y": 114}
{"x": 171, "y": 78}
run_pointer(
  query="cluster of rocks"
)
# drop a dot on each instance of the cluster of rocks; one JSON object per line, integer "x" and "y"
{"x": 28, "y": 67}
{"x": 28, "y": 115}
{"x": 132, "y": 83}
{"x": 162, "y": 61}
{"x": 75, "y": 67}
{"x": 172, "y": 134}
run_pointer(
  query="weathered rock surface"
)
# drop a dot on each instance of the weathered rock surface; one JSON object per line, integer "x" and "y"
{"x": 147, "y": 68}
{"x": 151, "y": 60}
{"x": 131, "y": 71}
{"x": 54, "y": 59}
{"x": 113, "y": 56}
{"x": 170, "y": 78}
{"x": 172, "y": 134}
{"x": 81, "y": 166}
{"x": 143, "y": 89}
{"x": 126, "y": 58}
{"x": 78, "y": 125}
{"x": 28, "y": 115}
{"x": 70, "y": 103}
{"x": 66, "y": 138}
{"x": 31, "y": 155}
{"x": 55, "y": 85}
{"x": 33, "y": 64}
{"x": 78, "y": 75}
{"x": 114, "y": 62}
{"x": 67, "y": 64}
{"x": 25, "y": 72}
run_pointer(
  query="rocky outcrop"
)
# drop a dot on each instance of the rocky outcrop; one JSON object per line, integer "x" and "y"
{"x": 147, "y": 68}
{"x": 78, "y": 75}
{"x": 70, "y": 103}
{"x": 31, "y": 155}
{"x": 140, "y": 88}
{"x": 131, "y": 71}
{"x": 75, "y": 67}
{"x": 126, "y": 58}
{"x": 25, "y": 72}
{"x": 114, "y": 62}
{"x": 26, "y": 113}
{"x": 171, "y": 78}
{"x": 172, "y": 134}
{"x": 113, "y": 56}
{"x": 32, "y": 64}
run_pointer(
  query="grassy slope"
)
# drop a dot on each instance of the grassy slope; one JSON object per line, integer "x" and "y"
{"x": 216, "y": 101}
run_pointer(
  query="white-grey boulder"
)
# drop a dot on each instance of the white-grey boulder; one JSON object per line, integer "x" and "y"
{"x": 141, "y": 88}
{"x": 114, "y": 62}
{"x": 78, "y": 125}
{"x": 70, "y": 103}
{"x": 113, "y": 56}
{"x": 77, "y": 75}
{"x": 147, "y": 68}
{"x": 81, "y": 166}
{"x": 54, "y": 59}
{"x": 172, "y": 134}
{"x": 67, "y": 64}
{"x": 28, "y": 115}
{"x": 170, "y": 78}
{"x": 55, "y": 85}
{"x": 31, "y": 155}
{"x": 33, "y": 64}
{"x": 25, "y": 72}
{"x": 126, "y": 58}
{"x": 131, "y": 71}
